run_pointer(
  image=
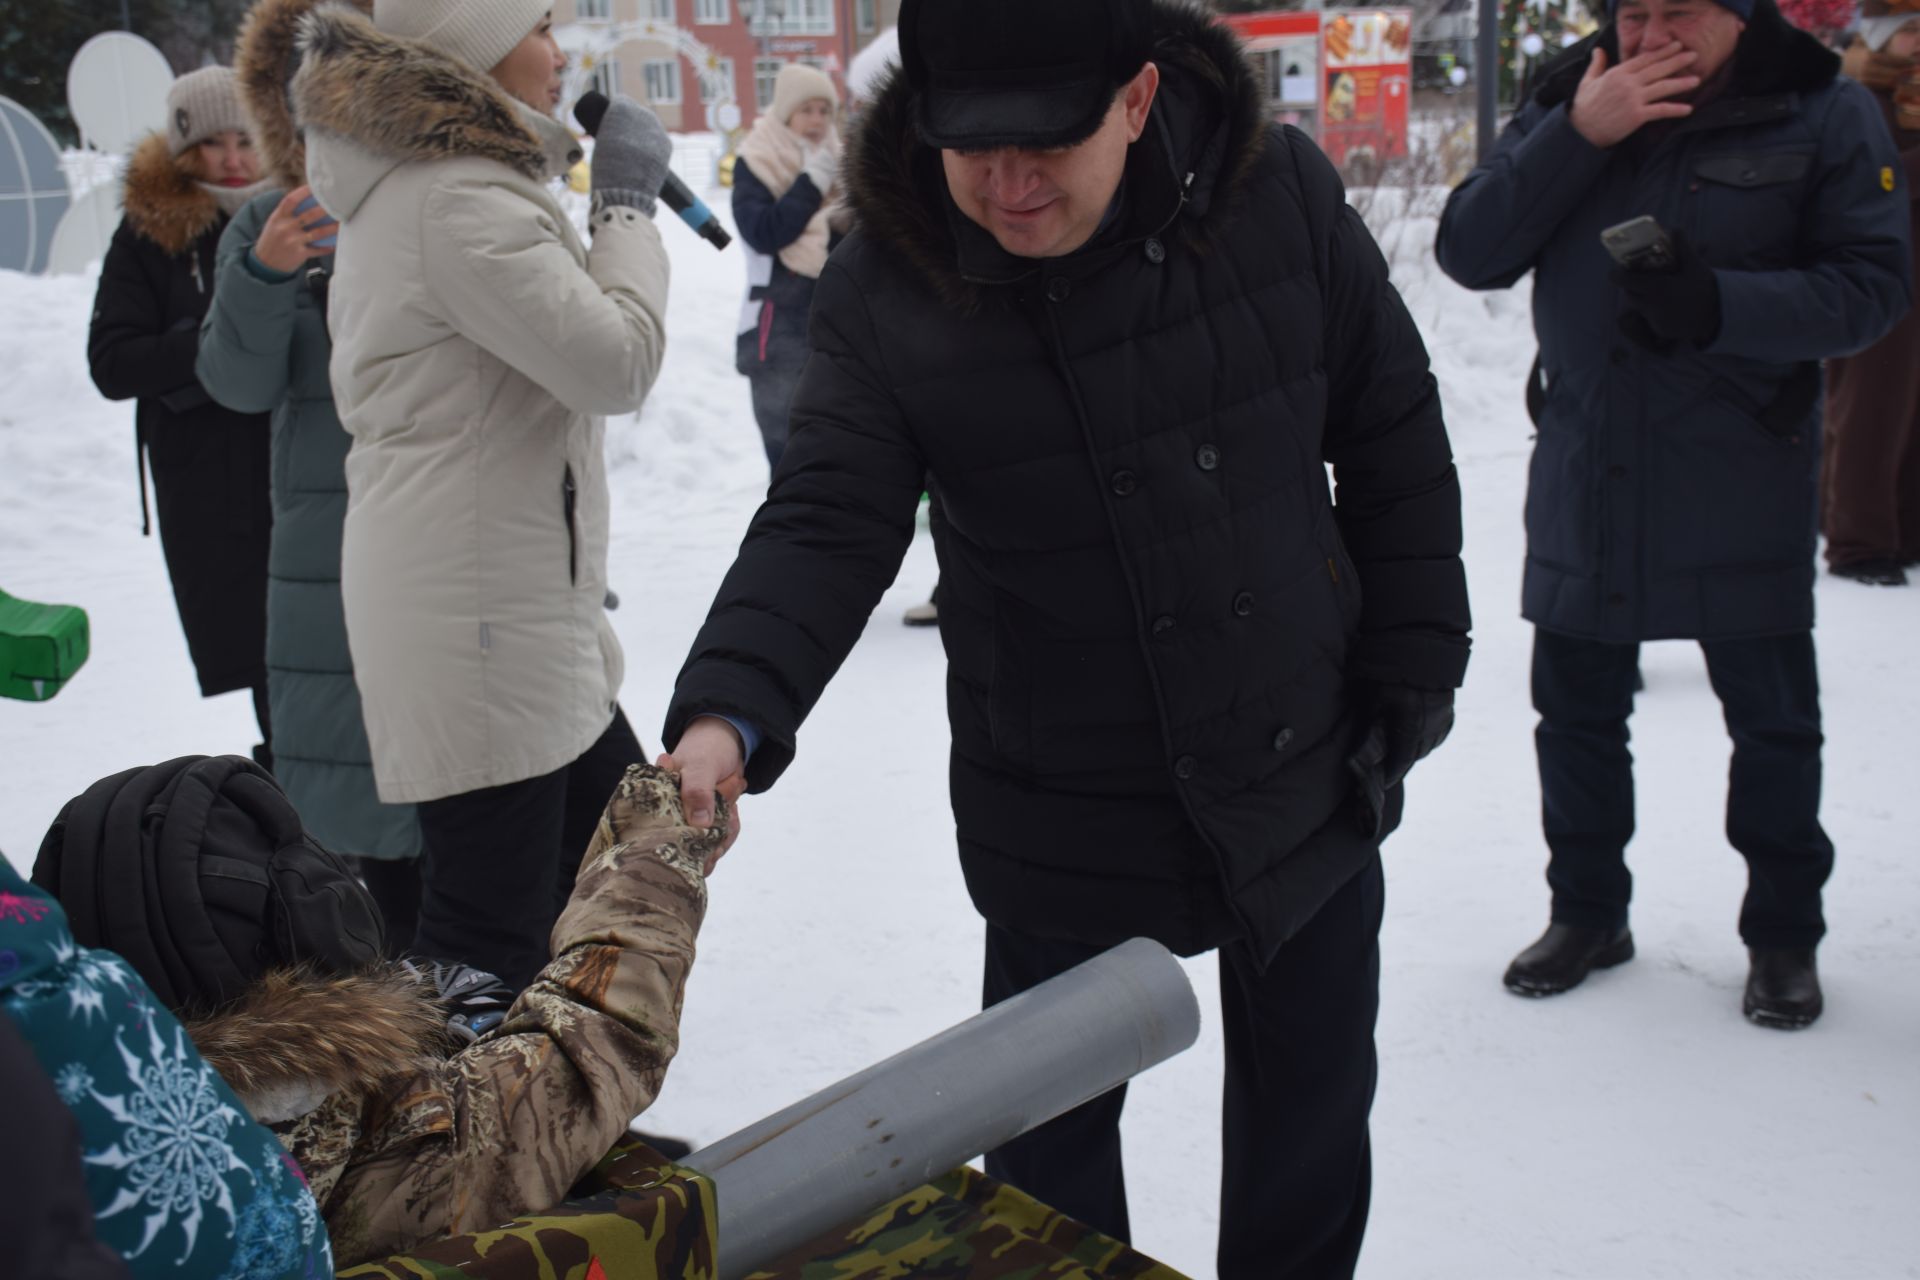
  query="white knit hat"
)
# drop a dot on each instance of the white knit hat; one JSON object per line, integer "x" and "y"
{"x": 476, "y": 32}
{"x": 201, "y": 104}
{"x": 799, "y": 83}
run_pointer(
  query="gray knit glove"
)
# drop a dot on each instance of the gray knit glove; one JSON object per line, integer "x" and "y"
{"x": 630, "y": 156}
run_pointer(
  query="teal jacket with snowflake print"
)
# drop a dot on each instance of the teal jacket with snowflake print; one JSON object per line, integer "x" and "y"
{"x": 183, "y": 1181}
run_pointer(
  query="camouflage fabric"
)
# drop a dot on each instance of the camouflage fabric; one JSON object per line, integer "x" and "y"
{"x": 417, "y": 1146}
{"x": 635, "y": 1217}
{"x": 965, "y": 1226}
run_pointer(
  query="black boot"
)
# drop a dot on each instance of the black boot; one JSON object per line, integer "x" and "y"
{"x": 1783, "y": 988}
{"x": 1564, "y": 956}
{"x": 1875, "y": 573}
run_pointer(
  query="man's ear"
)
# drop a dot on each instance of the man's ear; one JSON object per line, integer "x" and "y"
{"x": 1137, "y": 98}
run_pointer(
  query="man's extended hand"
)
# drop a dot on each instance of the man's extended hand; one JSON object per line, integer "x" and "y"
{"x": 1404, "y": 726}
{"x": 1612, "y": 102}
{"x": 710, "y": 761}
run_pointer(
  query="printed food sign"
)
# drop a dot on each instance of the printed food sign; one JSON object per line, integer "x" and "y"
{"x": 1368, "y": 70}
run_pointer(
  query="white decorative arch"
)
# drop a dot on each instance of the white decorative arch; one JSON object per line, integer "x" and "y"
{"x": 588, "y": 44}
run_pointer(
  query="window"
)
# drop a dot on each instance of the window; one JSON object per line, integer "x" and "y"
{"x": 808, "y": 18}
{"x": 712, "y": 12}
{"x": 723, "y": 72}
{"x": 865, "y": 19}
{"x": 765, "y": 72}
{"x": 593, "y": 10}
{"x": 663, "y": 80}
{"x": 606, "y": 76}
{"x": 658, "y": 10}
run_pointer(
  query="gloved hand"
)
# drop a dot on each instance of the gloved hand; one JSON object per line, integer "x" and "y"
{"x": 630, "y": 156}
{"x": 1406, "y": 724}
{"x": 476, "y": 1002}
{"x": 1667, "y": 307}
{"x": 820, "y": 164}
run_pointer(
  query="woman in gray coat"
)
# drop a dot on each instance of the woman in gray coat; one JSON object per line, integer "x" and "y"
{"x": 264, "y": 347}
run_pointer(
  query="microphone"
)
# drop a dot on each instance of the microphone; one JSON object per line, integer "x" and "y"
{"x": 591, "y": 110}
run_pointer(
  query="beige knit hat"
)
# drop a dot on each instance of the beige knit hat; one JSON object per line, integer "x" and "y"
{"x": 799, "y": 83}
{"x": 476, "y": 32}
{"x": 201, "y": 104}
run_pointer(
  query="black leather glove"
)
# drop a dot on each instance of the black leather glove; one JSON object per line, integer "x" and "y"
{"x": 1680, "y": 304}
{"x": 476, "y": 1002}
{"x": 1405, "y": 725}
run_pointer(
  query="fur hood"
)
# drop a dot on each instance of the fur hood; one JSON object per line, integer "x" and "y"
{"x": 164, "y": 202}
{"x": 1773, "y": 57}
{"x": 265, "y": 57}
{"x": 1207, "y": 129}
{"x": 392, "y": 101}
{"x": 298, "y": 1037}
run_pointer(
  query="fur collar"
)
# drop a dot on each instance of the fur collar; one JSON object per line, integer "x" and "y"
{"x": 265, "y": 58}
{"x": 296, "y": 1037}
{"x": 164, "y": 202}
{"x": 405, "y": 102}
{"x": 1773, "y": 57}
{"x": 1207, "y": 131}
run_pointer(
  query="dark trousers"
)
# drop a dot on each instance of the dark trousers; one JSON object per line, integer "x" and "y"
{"x": 1297, "y": 1169}
{"x": 499, "y": 863}
{"x": 395, "y": 886}
{"x": 1769, "y": 690}
{"x": 773, "y": 386}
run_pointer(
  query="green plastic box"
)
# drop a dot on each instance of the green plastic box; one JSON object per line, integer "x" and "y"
{"x": 41, "y": 646}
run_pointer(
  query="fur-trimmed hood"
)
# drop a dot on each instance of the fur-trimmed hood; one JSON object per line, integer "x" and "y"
{"x": 1773, "y": 57}
{"x": 370, "y": 102}
{"x": 265, "y": 57}
{"x": 1206, "y": 131}
{"x": 164, "y": 202}
{"x": 298, "y": 1037}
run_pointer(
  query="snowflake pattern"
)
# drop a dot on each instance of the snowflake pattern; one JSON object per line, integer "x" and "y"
{"x": 174, "y": 1149}
{"x": 275, "y": 1230}
{"x": 22, "y": 910}
{"x": 74, "y": 1083}
{"x": 84, "y": 976}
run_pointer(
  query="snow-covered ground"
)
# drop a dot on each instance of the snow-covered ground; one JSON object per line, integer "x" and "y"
{"x": 1636, "y": 1128}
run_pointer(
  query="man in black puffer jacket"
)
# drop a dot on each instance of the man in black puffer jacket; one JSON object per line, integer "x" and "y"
{"x": 1124, "y": 323}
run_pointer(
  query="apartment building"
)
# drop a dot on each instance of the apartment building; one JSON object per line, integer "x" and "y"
{"x": 700, "y": 44}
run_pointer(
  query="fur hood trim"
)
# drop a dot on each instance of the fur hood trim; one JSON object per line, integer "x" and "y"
{"x": 1208, "y": 122}
{"x": 164, "y": 202}
{"x": 265, "y": 57}
{"x": 297, "y": 1037}
{"x": 1773, "y": 56}
{"x": 405, "y": 102}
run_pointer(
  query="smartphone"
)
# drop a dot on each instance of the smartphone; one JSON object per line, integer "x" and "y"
{"x": 326, "y": 242}
{"x": 1639, "y": 244}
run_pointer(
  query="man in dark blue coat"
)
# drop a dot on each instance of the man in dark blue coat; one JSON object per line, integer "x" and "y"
{"x": 1125, "y": 323}
{"x": 1672, "y": 485}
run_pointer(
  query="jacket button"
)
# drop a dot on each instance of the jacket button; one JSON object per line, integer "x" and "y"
{"x": 1243, "y": 604}
{"x": 1125, "y": 482}
{"x": 1617, "y": 472}
{"x": 1206, "y": 457}
{"x": 1156, "y": 252}
{"x": 1184, "y": 767}
{"x": 1619, "y": 355}
{"x": 1162, "y": 624}
{"x": 1282, "y": 739}
{"x": 1058, "y": 288}
{"x": 1618, "y": 597}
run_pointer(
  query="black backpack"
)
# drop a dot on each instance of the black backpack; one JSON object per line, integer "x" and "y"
{"x": 199, "y": 872}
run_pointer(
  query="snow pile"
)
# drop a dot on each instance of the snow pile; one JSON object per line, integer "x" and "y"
{"x": 1637, "y": 1127}
{"x": 871, "y": 65}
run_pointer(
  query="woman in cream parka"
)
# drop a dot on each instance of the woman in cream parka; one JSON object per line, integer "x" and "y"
{"x": 476, "y": 343}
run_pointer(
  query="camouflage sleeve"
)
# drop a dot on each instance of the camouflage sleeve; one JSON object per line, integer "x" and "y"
{"x": 507, "y": 1126}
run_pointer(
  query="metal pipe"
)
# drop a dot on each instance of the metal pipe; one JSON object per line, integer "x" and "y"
{"x": 857, "y": 1144}
{"x": 1486, "y": 75}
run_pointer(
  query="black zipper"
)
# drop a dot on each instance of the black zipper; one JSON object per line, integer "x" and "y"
{"x": 569, "y": 501}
